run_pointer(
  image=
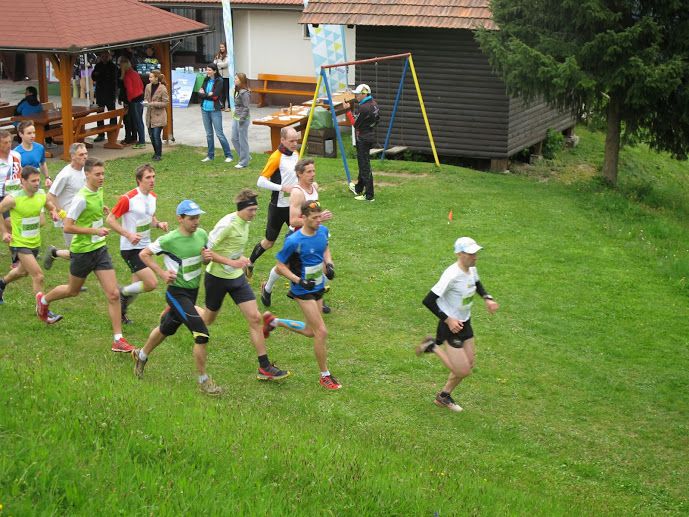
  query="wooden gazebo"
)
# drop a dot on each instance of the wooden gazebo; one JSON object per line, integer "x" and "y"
{"x": 61, "y": 30}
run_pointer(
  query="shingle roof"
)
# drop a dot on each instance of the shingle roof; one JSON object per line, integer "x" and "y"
{"x": 447, "y": 14}
{"x": 71, "y": 25}
{"x": 218, "y": 3}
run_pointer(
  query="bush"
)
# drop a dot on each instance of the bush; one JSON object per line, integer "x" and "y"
{"x": 553, "y": 143}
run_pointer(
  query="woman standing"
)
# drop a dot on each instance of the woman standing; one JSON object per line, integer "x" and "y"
{"x": 220, "y": 61}
{"x": 32, "y": 153}
{"x": 156, "y": 100}
{"x": 241, "y": 119}
{"x": 210, "y": 93}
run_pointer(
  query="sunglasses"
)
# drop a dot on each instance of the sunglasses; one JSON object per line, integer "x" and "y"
{"x": 314, "y": 204}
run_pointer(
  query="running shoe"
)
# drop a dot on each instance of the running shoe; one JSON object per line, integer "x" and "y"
{"x": 49, "y": 257}
{"x": 272, "y": 373}
{"x": 352, "y": 187}
{"x": 249, "y": 271}
{"x": 209, "y": 387}
{"x": 446, "y": 401}
{"x": 265, "y": 295}
{"x": 362, "y": 197}
{"x": 41, "y": 310}
{"x": 426, "y": 346}
{"x": 122, "y": 345}
{"x": 326, "y": 308}
{"x": 53, "y": 318}
{"x": 268, "y": 318}
{"x": 125, "y": 300}
{"x": 139, "y": 365}
{"x": 330, "y": 383}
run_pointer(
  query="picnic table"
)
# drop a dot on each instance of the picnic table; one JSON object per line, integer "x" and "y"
{"x": 44, "y": 119}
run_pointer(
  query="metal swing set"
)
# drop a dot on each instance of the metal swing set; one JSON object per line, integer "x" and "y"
{"x": 323, "y": 80}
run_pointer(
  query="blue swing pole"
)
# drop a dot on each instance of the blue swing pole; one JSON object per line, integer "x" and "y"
{"x": 336, "y": 125}
{"x": 394, "y": 109}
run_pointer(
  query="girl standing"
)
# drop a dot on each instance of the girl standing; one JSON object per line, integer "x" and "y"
{"x": 210, "y": 93}
{"x": 156, "y": 100}
{"x": 220, "y": 61}
{"x": 241, "y": 119}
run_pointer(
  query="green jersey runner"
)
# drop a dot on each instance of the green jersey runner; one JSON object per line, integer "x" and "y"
{"x": 26, "y": 219}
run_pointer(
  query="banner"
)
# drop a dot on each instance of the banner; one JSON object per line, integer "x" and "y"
{"x": 182, "y": 88}
{"x": 328, "y": 46}
{"x": 229, "y": 45}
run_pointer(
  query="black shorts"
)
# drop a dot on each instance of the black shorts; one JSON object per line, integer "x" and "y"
{"x": 216, "y": 289}
{"x": 454, "y": 340}
{"x": 183, "y": 312}
{"x": 132, "y": 259}
{"x": 81, "y": 264}
{"x": 14, "y": 253}
{"x": 277, "y": 216}
{"x": 308, "y": 296}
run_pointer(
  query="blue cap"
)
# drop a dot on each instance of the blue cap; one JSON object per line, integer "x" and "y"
{"x": 188, "y": 207}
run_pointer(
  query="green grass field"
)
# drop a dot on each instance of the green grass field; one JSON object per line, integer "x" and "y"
{"x": 578, "y": 404}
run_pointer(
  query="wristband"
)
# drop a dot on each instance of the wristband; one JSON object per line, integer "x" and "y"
{"x": 487, "y": 297}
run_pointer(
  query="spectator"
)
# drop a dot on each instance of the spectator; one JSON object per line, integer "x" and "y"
{"x": 210, "y": 93}
{"x": 241, "y": 120}
{"x": 156, "y": 100}
{"x": 28, "y": 106}
{"x": 134, "y": 90}
{"x": 223, "y": 67}
{"x": 105, "y": 78}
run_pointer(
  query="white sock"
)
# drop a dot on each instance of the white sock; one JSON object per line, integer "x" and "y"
{"x": 142, "y": 355}
{"x": 274, "y": 277}
{"x": 117, "y": 337}
{"x": 203, "y": 378}
{"x": 135, "y": 288}
{"x": 44, "y": 301}
{"x": 325, "y": 373}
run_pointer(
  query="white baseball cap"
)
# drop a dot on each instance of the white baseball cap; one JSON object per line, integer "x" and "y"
{"x": 466, "y": 245}
{"x": 362, "y": 88}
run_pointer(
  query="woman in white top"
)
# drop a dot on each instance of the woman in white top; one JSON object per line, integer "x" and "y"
{"x": 220, "y": 61}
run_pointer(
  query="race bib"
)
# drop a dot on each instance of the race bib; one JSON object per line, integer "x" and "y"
{"x": 314, "y": 273}
{"x": 191, "y": 267}
{"x": 13, "y": 186}
{"x": 30, "y": 226}
{"x": 97, "y": 224}
{"x": 143, "y": 227}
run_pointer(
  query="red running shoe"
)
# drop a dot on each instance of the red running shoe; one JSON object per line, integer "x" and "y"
{"x": 122, "y": 345}
{"x": 41, "y": 309}
{"x": 330, "y": 383}
{"x": 268, "y": 318}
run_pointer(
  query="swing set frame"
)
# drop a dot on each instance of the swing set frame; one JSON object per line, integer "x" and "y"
{"x": 323, "y": 80}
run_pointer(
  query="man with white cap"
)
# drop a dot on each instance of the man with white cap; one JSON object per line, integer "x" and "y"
{"x": 366, "y": 118}
{"x": 450, "y": 299}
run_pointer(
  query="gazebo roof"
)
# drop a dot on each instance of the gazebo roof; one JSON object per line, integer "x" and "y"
{"x": 74, "y": 26}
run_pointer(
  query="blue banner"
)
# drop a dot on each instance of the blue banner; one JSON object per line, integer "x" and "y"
{"x": 182, "y": 88}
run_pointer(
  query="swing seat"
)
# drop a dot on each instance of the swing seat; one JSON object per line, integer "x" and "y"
{"x": 391, "y": 151}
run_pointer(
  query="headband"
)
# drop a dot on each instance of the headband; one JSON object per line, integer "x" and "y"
{"x": 246, "y": 203}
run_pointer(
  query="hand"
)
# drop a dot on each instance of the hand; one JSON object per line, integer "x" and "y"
{"x": 169, "y": 276}
{"x": 48, "y": 182}
{"x": 102, "y": 232}
{"x": 106, "y": 211}
{"x": 6, "y": 237}
{"x": 163, "y": 226}
{"x": 307, "y": 284}
{"x": 242, "y": 262}
{"x": 134, "y": 238}
{"x": 345, "y": 105}
{"x": 286, "y": 189}
{"x": 326, "y": 215}
{"x": 492, "y": 306}
{"x": 207, "y": 255}
{"x": 329, "y": 271}
{"x": 454, "y": 325}
{"x": 54, "y": 215}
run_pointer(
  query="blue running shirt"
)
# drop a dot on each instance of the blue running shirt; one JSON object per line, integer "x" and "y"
{"x": 304, "y": 256}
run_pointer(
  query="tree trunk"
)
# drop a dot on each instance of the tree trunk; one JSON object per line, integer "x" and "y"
{"x": 612, "y": 141}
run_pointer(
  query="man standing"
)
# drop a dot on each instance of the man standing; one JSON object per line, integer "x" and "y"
{"x": 105, "y": 78}
{"x": 278, "y": 176}
{"x": 224, "y": 276}
{"x": 68, "y": 182}
{"x": 25, "y": 208}
{"x": 89, "y": 253}
{"x": 182, "y": 251}
{"x": 366, "y": 119}
{"x": 137, "y": 209}
{"x": 302, "y": 260}
{"x": 10, "y": 174}
{"x": 450, "y": 300}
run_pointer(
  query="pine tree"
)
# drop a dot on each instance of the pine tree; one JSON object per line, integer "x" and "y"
{"x": 625, "y": 59}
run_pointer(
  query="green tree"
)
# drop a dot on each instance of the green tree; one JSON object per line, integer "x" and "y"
{"x": 625, "y": 59}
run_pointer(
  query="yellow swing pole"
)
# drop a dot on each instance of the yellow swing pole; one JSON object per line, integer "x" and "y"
{"x": 308, "y": 122}
{"x": 423, "y": 110}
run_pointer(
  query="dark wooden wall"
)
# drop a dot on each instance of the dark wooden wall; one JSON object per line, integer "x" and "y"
{"x": 469, "y": 111}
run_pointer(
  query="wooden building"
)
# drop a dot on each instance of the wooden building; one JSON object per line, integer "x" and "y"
{"x": 469, "y": 110}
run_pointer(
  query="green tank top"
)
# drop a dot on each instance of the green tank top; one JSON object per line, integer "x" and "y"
{"x": 26, "y": 219}
{"x": 90, "y": 217}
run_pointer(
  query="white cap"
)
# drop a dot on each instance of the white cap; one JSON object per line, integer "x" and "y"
{"x": 466, "y": 245}
{"x": 362, "y": 88}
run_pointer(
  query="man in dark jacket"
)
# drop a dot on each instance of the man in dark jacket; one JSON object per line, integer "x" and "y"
{"x": 105, "y": 78}
{"x": 366, "y": 117}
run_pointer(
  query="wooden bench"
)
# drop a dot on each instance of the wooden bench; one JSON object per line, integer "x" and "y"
{"x": 285, "y": 87}
{"x": 112, "y": 131}
{"x": 7, "y": 112}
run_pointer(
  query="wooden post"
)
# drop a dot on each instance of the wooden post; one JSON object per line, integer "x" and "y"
{"x": 64, "y": 74}
{"x": 163, "y": 52}
{"x": 42, "y": 79}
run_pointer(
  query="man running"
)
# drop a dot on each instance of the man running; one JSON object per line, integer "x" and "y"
{"x": 306, "y": 189}
{"x": 182, "y": 251}
{"x": 68, "y": 182}
{"x": 25, "y": 209}
{"x": 302, "y": 260}
{"x": 89, "y": 253}
{"x": 137, "y": 210}
{"x": 450, "y": 300}
{"x": 278, "y": 176}
{"x": 224, "y": 276}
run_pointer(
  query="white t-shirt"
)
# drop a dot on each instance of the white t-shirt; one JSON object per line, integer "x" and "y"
{"x": 136, "y": 210}
{"x": 10, "y": 173}
{"x": 456, "y": 290}
{"x": 67, "y": 183}
{"x": 313, "y": 196}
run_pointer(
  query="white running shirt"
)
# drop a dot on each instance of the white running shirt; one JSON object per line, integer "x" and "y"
{"x": 456, "y": 290}
{"x": 67, "y": 183}
{"x": 136, "y": 210}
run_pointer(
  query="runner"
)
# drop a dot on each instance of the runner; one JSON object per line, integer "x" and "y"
{"x": 450, "y": 300}
{"x": 137, "y": 209}
{"x": 182, "y": 251}
{"x": 68, "y": 182}
{"x": 89, "y": 253}
{"x": 278, "y": 176}
{"x": 224, "y": 276}
{"x": 31, "y": 152}
{"x": 25, "y": 208}
{"x": 10, "y": 175}
{"x": 302, "y": 260}
{"x": 306, "y": 189}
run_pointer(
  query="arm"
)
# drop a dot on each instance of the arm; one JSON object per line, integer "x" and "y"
{"x": 147, "y": 257}
{"x": 53, "y": 209}
{"x": 159, "y": 224}
{"x": 211, "y": 256}
{"x": 491, "y": 305}
{"x": 53, "y": 199}
{"x": 283, "y": 270}
{"x": 46, "y": 175}
{"x": 70, "y": 227}
{"x": 295, "y": 201}
{"x": 113, "y": 223}
{"x": 5, "y": 205}
{"x": 431, "y": 302}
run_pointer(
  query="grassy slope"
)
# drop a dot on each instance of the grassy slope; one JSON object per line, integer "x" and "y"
{"x": 577, "y": 403}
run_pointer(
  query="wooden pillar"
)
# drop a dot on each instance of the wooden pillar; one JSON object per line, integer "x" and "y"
{"x": 163, "y": 53}
{"x": 63, "y": 68}
{"x": 42, "y": 79}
